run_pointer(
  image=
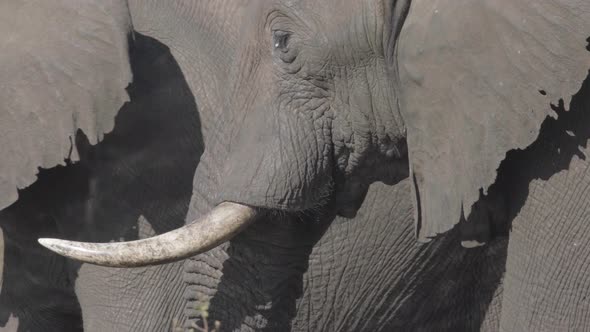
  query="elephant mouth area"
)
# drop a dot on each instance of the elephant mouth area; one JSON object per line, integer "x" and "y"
{"x": 287, "y": 197}
{"x": 301, "y": 212}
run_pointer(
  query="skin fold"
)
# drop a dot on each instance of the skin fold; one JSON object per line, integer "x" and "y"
{"x": 353, "y": 127}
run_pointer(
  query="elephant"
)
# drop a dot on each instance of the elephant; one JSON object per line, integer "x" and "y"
{"x": 328, "y": 137}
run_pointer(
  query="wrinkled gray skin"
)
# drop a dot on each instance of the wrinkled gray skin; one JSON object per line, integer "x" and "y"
{"x": 305, "y": 128}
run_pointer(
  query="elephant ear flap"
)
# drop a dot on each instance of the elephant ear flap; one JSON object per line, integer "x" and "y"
{"x": 477, "y": 79}
{"x": 64, "y": 66}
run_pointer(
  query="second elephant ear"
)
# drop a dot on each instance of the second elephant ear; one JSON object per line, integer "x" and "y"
{"x": 64, "y": 66}
{"x": 477, "y": 80}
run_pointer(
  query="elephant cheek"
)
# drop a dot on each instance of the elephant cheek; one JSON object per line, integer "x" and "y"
{"x": 277, "y": 162}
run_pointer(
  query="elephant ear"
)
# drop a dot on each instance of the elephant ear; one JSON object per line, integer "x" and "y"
{"x": 63, "y": 66}
{"x": 477, "y": 79}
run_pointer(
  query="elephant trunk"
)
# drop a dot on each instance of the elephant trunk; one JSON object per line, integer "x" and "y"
{"x": 221, "y": 224}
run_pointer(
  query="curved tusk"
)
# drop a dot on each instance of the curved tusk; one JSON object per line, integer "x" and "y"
{"x": 221, "y": 224}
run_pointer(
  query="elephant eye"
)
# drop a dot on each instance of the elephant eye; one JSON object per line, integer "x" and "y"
{"x": 281, "y": 40}
{"x": 283, "y": 51}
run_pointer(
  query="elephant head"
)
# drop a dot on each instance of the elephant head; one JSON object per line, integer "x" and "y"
{"x": 328, "y": 97}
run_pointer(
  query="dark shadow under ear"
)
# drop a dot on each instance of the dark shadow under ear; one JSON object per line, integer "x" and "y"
{"x": 136, "y": 182}
{"x": 476, "y": 81}
{"x": 37, "y": 292}
{"x": 558, "y": 142}
{"x": 65, "y": 67}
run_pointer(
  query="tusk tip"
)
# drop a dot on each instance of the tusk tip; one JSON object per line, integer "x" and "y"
{"x": 46, "y": 242}
{"x": 55, "y": 245}
{"x": 71, "y": 249}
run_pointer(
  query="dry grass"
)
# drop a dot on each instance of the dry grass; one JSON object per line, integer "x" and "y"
{"x": 203, "y": 310}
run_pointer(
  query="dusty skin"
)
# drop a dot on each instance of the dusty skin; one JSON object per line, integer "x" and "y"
{"x": 298, "y": 165}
